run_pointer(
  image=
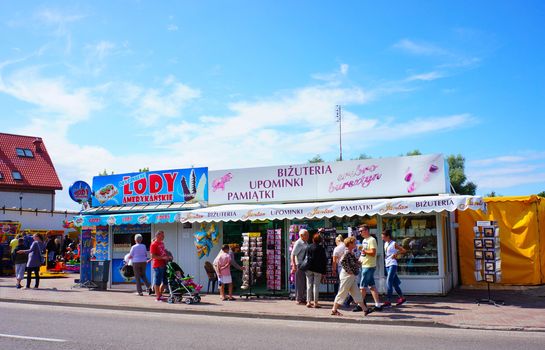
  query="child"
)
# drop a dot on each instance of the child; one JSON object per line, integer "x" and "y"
{"x": 19, "y": 260}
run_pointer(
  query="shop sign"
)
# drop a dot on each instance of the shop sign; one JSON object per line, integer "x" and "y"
{"x": 128, "y": 219}
{"x": 321, "y": 210}
{"x": 368, "y": 178}
{"x": 80, "y": 192}
{"x": 165, "y": 186}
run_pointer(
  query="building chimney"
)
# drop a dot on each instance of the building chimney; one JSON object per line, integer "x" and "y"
{"x": 38, "y": 144}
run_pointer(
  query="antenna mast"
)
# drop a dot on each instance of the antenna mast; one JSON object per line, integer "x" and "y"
{"x": 339, "y": 120}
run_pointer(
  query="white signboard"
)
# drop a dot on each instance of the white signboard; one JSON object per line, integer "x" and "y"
{"x": 368, "y": 178}
{"x": 320, "y": 210}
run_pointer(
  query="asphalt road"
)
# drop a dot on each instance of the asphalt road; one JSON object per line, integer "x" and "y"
{"x": 43, "y": 327}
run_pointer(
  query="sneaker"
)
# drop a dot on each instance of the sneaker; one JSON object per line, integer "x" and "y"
{"x": 150, "y": 291}
{"x": 378, "y": 308}
{"x": 140, "y": 293}
{"x": 386, "y": 304}
{"x": 368, "y": 311}
{"x": 357, "y": 309}
{"x": 19, "y": 286}
{"x": 400, "y": 301}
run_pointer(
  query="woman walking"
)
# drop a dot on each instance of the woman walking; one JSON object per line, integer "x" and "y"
{"x": 317, "y": 265}
{"x": 349, "y": 285}
{"x": 34, "y": 259}
{"x": 391, "y": 251}
{"x": 139, "y": 257}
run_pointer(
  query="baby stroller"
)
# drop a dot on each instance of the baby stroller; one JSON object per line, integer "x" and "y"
{"x": 181, "y": 288}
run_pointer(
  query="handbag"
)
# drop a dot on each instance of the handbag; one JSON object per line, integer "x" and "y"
{"x": 127, "y": 271}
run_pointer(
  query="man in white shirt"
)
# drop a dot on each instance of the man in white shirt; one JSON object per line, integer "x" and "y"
{"x": 297, "y": 256}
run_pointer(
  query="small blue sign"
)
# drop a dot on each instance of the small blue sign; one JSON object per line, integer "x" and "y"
{"x": 80, "y": 192}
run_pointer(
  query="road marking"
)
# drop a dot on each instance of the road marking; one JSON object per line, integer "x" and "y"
{"x": 32, "y": 338}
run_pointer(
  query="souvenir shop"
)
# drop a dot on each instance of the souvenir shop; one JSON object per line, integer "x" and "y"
{"x": 409, "y": 195}
{"x": 259, "y": 212}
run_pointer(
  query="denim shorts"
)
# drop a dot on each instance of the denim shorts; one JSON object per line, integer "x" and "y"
{"x": 367, "y": 277}
{"x": 160, "y": 276}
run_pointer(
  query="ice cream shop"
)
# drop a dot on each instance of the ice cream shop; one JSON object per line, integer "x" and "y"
{"x": 259, "y": 212}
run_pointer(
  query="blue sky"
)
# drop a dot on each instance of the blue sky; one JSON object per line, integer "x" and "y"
{"x": 228, "y": 84}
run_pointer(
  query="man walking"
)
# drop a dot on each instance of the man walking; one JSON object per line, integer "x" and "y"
{"x": 297, "y": 256}
{"x": 368, "y": 260}
{"x": 159, "y": 258}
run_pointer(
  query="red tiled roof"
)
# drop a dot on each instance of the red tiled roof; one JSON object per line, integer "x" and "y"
{"x": 37, "y": 172}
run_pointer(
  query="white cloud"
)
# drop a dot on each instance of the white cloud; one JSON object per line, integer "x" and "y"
{"x": 172, "y": 28}
{"x": 426, "y": 76}
{"x": 51, "y": 95}
{"x": 101, "y": 50}
{"x": 60, "y": 21}
{"x": 507, "y": 171}
{"x": 148, "y": 105}
{"x": 334, "y": 77}
{"x": 419, "y": 48}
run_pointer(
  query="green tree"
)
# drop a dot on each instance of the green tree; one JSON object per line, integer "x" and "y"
{"x": 541, "y": 194}
{"x": 316, "y": 159}
{"x": 362, "y": 156}
{"x": 414, "y": 152}
{"x": 458, "y": 178}
{"x": 105, "y": 173}
{"x": 143, "y": 170}
{"x": 492, "y": 194}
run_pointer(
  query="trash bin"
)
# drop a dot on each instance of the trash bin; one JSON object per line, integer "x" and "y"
{"x": 100, "y": 272}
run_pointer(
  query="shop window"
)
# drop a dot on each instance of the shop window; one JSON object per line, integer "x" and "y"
{"x": 345, "y": 225}
{"x": 418, "y": 235}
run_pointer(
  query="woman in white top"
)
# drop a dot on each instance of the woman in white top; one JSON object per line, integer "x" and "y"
{"x": 338, "y": 253}
{"x": 139, "y": 257}
{"x": 391, "y": 251}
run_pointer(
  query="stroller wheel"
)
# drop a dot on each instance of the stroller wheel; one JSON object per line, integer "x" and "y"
{"x": 189, "y": 301}
{"x": 170, "y": 301}
{"x": 197, "y": 299}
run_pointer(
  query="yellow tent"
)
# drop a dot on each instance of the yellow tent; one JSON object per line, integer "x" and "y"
{"x": 522, "y": 238}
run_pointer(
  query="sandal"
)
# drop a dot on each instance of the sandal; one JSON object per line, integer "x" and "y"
{"x": 316, "y": 306}
{"x": 309, "y": 305}
{"x": 232, "y": 299}
{"x": 336, "y": 313}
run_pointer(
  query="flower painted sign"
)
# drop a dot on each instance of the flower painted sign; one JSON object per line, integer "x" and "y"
{"x": 368, "y": 178}
{"x": 166, "y": 186}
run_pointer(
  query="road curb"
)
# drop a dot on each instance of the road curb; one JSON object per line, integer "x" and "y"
{"x": 374, "y": 321}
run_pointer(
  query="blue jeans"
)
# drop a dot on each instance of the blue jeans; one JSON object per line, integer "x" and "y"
{"x": 160, "y": 276}
{"x": 392, "y": 282}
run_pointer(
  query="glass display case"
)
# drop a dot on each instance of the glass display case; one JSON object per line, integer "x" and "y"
{"x": 418, "y": 235}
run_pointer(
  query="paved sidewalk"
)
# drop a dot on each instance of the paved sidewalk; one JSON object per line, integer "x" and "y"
{"x": 524, "y": 309}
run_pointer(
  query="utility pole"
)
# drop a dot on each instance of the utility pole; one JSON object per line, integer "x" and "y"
{"x": 339, "y": 120}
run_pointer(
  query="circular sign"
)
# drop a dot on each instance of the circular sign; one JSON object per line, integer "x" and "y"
{"x": 80, "y": 191}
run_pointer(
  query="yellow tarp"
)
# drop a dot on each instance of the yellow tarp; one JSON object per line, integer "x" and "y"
{"x": 522, "y": 238}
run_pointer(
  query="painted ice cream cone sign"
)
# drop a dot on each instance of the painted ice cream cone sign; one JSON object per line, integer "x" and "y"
{"x": 165, "y": 186}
